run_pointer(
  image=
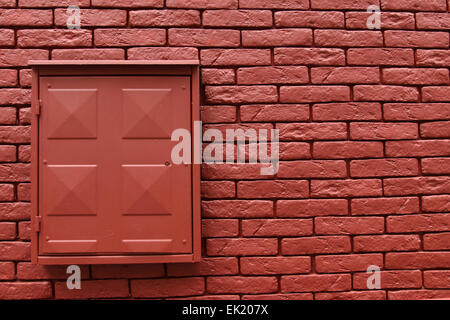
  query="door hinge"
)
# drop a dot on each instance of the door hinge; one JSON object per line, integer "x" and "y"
{"x": 37, "y": 223}
{"x": 38, "y": 107}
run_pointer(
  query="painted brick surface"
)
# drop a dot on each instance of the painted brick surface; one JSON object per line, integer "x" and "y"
{"x": 364, "y": 120}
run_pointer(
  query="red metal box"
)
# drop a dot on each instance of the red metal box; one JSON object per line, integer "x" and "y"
{"x": 104, "y": 187}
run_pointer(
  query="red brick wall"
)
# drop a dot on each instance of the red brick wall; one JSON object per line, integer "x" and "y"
{"x": 364, "y": 120}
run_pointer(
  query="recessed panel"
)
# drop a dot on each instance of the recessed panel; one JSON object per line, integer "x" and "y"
{"x": 71, "y": 190}
{"x": 146, "y": 113}
{"x": 146, "y": 190}
{"x": 72, "y": 113}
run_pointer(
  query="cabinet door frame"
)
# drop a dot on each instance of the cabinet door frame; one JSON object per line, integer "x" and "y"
{"x": 114, "y": 68}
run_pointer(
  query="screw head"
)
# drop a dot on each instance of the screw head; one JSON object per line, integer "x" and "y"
{"x": 167, "y": 163}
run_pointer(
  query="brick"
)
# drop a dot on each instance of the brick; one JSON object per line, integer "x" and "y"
{"x": 204, "y": 37}
{"x": 343, "y": 4}
{"x": 274, "y": 4}
{"x": 272, "y": 189}
{"x": 207, "y": 267}
{"x": 54, "y": 3}
{"x": 308, "y": 94}
{"x": 8, "y": 3}
{"x": 7, "y": 37}
{"x": 311, "y": 208}
{"x": 128, "y": 3}
{"x": 235, "y": 57}
{"x": 418, "y": 295}
{"x": 232, "y": 171}
{"x": 295, "y": 150}
{"x": 8, "y": 230}
{"x": 383, "y": 131}
{"x": 288, "y": 296}
{"x": 347, "y": 149}
{"x": 164, "y": 18}
{"x": 309, "y": 19}
{"x": 30, "y": 271}
{"x": 414, "y": 5}
{"x": 389, "y": 20}
{"x": 16, "y": 251}
{"x": 346, "y": 188}
{"x": 8, "y": 78}
{"x": 201, "y": 4}
{"x": 218, "y": 76}
{"x": 313, "y": 169}
{"x": 419, "y": 148}
{"x": 237, "y": 18}
{"x": 316, "y": 283}
{"x": 24, "y": 153}
{"x": 6, "y": 192}
{"x": 273, "y": 75}
{"x": 210, "y": 297}
{"x": 417, "y": 260}
{"x": 218, "y": 189}
{"x": 344, "y": 75}
{"x": 436, "y": 279}
{"x": 418, "y": 223}
{"x": 440, "y": 203}
{"x": 129, "y": 37}
{"x": 416, "y": 111}
{"x": 275, "y": 265}
{"x": 23, "y": 192}
{"x": 14, "y": 211}
{"x": 315, "y": 245}
{"x": 93, "y": 17}
{"x": 24, "y": 118}
{"x": 416, "y": 39}
{"x": 274, "y": 113}
{"x": 25, "y": 78}
{"x": 277, "y": 37}
{"x": 312, "y": 131}
{"x": 8, "y": 153}
{"x": 15, "y": 96}
{"x": 385, "y": 206}
{"x": 242, "y": 247}
{"x": 218, "y": 114}
{"x": 352, "y": 295}
{"x": 436, "y": 94}
{"x": 88, "y": 54}
{"x": 38, "y": 38}
{"x": 25, "y": 230}
{"x": 25, "y": 290}
{"x": 238, "y": 284}
{"x": 340, "y": 38}
{"x": 25, "y": 17}
{"x": 436, "y": 241}
{"x": 347, "y": 263}
{"x": 277, "y": 228}
{"x": 386, "y": 243}
{"x": 348, "y": 225}
{"x": 435, "y": 129}
{"x": 163, "y": 53}
{"x": 433, "y": 58}
{"x": 220, "y": 228}
{"x": 7, "y": 271}
{"x": 384, "y": 168}
{"x": 15, "y": 172}
{"x": 127, "y": 271}
{"x": 7, "y": 116}
{"x": 391, "y": 280}
{"x": 97, "y": 289}
{"x": 310, "y": 56}
{"x": 416, "y": 186}
{"x": 385, "y": 93}
{"x": 422, "y": 76}
{"x": 241, "y": 94}
{"x": 436, "y": 21}
{"x": 237, "y": 209}
{"x": 380, "y": 56}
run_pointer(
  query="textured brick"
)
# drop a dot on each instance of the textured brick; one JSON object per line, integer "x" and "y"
{"x": 311, "y": 208}
{"x": 97, "y": 289}
{"x": 347, "y": 149}
{"x": 235, "y": 57}
{"x": 418, "y": 148}
{"x": 129, "y": 37}
{"x": 315, "y": 245}
{"x": 385, "y": 206}
{"x": 437, "y": 279}
{"x": 208, "y": 267}
{"x": 339, "y": 38}
{"x": 418, "y": 223}
{"x": 380, "y": 56}
{"x": 275, "y": 265}
{"x": 307, "y": 94}
{"x": 418, "y": 260}
{"x": 204, "y": 37}
{"x": 272, "y": 189}
{"x": 278, "y": 228}
{"x": 237, "y": 18}
{"x": 420, "y": 76}
{"x": 436, "y": 241}
{"x": 273, "y": 75}
{"x": 416, "y": 39}
{"x": 25, "y": 290}
{"x": 347, "y": 263}
{"x": 166, "y": 18}
{"x": 312, "y": 131}
{"x": 274, "y": 113}
{"x": 242, "y": 247}
{"x": 386, "y": 243}
{"x": 93, "y": 17}
{"x": 416, "y": 111}
{"x": 200, "y": 4}
{"x": 237, "y": 209}
{"x": 241, "y": 285}
{"x": 220, "y": 228}
{"x": 274, "y": 4}
{"x": 277, "y": 37}
{"x": 414, "y": 5}
{"x": 346, "y": 188}
{"x": 309, "y": 19}
{"x": 348, "y": 225}
{"x": 415, "y": 186}
{"x": 385, "y": 93}
{"x": 436, "y": 203}
{"x": 391, "y": 280}
{"x": 389, "y": 20}
{"x": 344, "y": 75}
{"x": 316, "y": 283}
{"x": 384, "y": 168}
{"x": 36, "y": 38}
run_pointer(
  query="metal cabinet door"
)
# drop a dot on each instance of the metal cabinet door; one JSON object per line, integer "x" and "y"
{"x": 106, "y": 181}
